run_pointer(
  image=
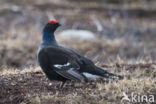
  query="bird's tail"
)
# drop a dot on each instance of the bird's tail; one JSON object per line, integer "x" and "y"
{"x": 106, "y": 74}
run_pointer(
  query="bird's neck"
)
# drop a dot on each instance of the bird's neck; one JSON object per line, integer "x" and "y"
{"x": 48, "y": 38}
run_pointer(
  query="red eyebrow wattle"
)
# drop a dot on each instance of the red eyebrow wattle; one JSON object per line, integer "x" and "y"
{"x": 52, "y": 21}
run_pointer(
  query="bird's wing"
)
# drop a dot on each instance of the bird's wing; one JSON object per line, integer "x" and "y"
{"x": 74, "y": 52}
{"x": 92, "y": 68}
{"x": 64, "y": 63}
{"x": 83, "y": 59}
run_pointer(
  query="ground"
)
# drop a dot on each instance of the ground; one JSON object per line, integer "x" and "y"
{"x": 125, "y": 45}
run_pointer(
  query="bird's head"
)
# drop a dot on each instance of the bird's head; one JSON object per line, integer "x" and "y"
{"x": 51, "y": 26}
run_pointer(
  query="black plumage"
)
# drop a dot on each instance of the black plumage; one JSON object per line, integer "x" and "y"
{"x": 62, "y": 64}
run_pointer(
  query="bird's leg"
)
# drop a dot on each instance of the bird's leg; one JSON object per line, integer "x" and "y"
{"x": 62, "y": 84}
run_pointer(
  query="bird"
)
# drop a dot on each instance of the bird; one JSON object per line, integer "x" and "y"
{"x": 62, "y": 64}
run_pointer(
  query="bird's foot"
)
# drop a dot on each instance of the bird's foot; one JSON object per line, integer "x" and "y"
{"x": 61, "y": 85}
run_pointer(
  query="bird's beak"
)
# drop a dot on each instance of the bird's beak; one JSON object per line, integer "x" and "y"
{"x": 59, "y": 24}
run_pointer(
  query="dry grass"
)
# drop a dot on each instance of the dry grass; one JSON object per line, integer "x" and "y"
{"x": 31, "y": 86}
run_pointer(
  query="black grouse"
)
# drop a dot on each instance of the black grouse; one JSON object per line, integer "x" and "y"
{"x": 62, "y": 64}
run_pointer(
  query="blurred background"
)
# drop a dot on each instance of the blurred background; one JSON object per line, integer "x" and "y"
{"x": 106, "y": 31}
